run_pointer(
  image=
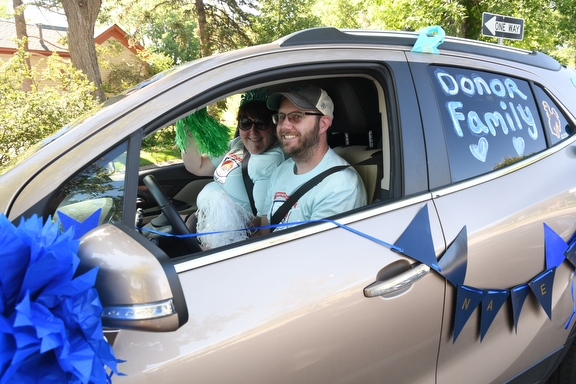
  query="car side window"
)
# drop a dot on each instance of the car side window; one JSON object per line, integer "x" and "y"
{"x": 98, "y": 186}
{"x": 490, "y": 120}
{"x": 557, "y": 127}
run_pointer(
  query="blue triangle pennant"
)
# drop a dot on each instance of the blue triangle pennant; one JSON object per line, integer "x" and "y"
{"x": 454, "y": 262}
{"x": 518, "y": 295}
{"x": 80, "y": 228}
{"x": 541, "y": 286}
{"x": 416, "y": 240}
{"x": 554, "y": 247}
{"x": 491, "y": 304}
{"x": 467, "y": 299}
{"x": 570, "y": 253}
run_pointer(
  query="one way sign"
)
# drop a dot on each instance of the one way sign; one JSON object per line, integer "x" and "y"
{"x": 502, "y": 26}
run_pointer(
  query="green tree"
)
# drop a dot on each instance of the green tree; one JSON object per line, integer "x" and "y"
{"x": 81, "y": 16}
{"x": 226, "y": 25}
{"x": 198, "y": 28}
{"x": 4, "y": 11}
{"x": 278, "y": 18}
{"x": 341, "y": 13}
{"x": 22, "y": 36}
{"x": 126, "y": 74}
{"x": 567, "y": 49}
{"x": 166, "y": 30}
{"x": 28, "y": 117}
{"x": 413, "y": 15}
{"x": 170, "y": 34}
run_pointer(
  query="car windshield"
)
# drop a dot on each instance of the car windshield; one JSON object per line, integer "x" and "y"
{"x": 55, "y": 136}
{"x": 34, "y": 148}
{"x": 73, "y": 124}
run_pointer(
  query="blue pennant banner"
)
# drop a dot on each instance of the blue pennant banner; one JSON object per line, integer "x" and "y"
{"x": 416, "y": 240}
{"x": 518, "y": 295}
{"x": 491, "y": 304}
{"x": 467, "y": 299}
{"x": 541, "y": 286}
{"x": 554, "y": 247}
{"x": 454, "y": 262}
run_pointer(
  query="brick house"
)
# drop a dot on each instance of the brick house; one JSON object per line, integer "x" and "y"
{"x": 43, "y": 40}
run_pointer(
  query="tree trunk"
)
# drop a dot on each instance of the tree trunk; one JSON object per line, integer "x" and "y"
{"x": 202, "y": 31}
{"x": 22, "y": 35}
{"x": 81, "y": 16}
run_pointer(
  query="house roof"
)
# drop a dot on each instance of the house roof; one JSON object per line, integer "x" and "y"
{"x": 119, "y": 34}
{"x": 44, "y": 39}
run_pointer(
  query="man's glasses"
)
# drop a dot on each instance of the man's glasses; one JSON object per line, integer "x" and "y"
{"x": 245, "y": 124}
{"x": 293, "y": 117}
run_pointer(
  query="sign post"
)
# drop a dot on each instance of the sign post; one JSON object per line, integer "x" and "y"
{"x": 502, "y": 27}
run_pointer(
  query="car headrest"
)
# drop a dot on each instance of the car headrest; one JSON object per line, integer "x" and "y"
{"x": 355, "y": 105}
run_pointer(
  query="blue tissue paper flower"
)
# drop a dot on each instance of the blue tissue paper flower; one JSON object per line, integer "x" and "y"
{"x": 50, "y": 326}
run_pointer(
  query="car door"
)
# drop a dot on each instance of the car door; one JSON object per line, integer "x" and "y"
{"x": 495, "y": 179}
{"x": 292, "y": 307}
{"x": 296, "y": 312}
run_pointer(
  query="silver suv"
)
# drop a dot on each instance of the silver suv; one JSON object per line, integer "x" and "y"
{"x": 459, "y": 269}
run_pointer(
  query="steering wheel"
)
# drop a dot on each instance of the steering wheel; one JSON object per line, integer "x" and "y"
{"x": 168, "y": 209}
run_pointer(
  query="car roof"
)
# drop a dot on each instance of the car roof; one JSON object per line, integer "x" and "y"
{"x": 406, "y": 39}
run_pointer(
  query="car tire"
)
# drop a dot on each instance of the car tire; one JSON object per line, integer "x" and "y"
{"x": 566, "y": 371}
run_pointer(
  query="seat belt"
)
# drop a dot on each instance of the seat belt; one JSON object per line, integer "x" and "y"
{"x": 288, "y": 204}
{"x": 248, "y": 183}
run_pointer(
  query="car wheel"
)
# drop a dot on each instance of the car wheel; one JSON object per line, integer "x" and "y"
{"x": 566, "y": 371}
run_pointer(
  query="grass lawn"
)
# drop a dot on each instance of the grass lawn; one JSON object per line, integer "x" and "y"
{"x": 158, "y": 155}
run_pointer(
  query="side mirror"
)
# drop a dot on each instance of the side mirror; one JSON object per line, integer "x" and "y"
{"x": 137, "y": 283}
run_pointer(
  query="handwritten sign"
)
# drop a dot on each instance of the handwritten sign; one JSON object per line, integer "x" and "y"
{"x": 490, "y": 120}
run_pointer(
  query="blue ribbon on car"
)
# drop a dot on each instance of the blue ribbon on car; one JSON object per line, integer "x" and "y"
{"x": 429, "y": 39}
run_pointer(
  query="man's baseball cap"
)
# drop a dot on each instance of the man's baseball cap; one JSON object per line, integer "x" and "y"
{"x": 306, "y": 97}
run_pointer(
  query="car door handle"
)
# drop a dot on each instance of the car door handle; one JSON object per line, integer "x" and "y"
{"x": 398, "y": 282}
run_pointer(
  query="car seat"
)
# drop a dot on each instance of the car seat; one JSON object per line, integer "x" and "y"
{"x": 356, "y": 127}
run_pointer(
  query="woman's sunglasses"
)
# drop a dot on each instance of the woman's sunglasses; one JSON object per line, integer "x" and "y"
{"x": 245, "y": 124}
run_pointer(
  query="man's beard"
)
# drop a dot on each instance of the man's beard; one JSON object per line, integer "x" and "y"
{"x": 308, "y": 143}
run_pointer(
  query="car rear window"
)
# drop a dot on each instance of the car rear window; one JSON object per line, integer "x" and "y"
{"x": 490, "y": 120}
{"x": 555, "y": 123}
